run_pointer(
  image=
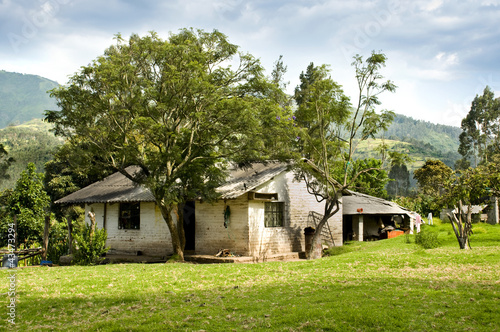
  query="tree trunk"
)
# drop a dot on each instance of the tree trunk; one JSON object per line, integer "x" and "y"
{"x": 314, "y": 253}
{"x": 462, "y": 225}
{"x": 46, "y": 238}
{"x": 316, "y": 240}
{"x": 166, "y": 212}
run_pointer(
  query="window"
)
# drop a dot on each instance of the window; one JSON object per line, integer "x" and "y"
{"x": 130, "y": 216}
{"x": 273, "y": 214}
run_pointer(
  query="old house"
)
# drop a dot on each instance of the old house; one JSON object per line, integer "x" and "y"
{"x": 366, "y": 216}
{"x": 262, "y": 211}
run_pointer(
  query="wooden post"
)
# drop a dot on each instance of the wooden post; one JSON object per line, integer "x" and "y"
{"x": 92, "y": 225}
{"x": 46, "y": 238}
{"x": 70, "y": 237}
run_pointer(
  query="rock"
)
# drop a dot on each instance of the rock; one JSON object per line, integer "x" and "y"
{"x": 66, "y": 260}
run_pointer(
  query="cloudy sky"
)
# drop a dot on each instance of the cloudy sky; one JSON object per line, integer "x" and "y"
{"x": 441, "y": 52}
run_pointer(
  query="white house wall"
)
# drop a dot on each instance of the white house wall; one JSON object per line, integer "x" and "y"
{"x": 299, "y": 205}
{"x": 153, "y": 237}
{"x": 210, "y": 233}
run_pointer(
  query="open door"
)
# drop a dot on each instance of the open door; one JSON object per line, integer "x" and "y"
{"x": 189, "y": 225}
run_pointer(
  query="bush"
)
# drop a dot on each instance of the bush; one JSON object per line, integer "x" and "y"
{"x": 427, "y": 239}
{"x": 58, "y": 241}
{"x": 90, "y": 248}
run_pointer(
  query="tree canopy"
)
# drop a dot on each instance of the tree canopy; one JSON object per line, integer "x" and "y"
{"x": 177, "y": 108}
{"x": 480, "y": 138}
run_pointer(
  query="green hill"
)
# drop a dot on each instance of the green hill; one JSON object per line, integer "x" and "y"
{"x": 28, "y": 142}
{"x": 24, "y": 97}
{"x": 442, "y": 138}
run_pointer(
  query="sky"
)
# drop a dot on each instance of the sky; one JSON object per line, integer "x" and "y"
{"x": 441, "y": 53}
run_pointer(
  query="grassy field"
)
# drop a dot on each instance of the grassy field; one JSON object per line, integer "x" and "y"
{"x": 389, "y": 285}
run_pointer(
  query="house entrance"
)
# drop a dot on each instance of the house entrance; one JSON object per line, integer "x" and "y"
{"x": 189, "y": 225}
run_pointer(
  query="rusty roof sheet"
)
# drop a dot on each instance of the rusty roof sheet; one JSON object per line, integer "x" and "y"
{"x": 370, "y": 205}
{"x": 112, "y": 189}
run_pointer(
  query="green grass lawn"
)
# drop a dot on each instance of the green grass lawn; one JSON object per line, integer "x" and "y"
{"x": 388, "y": 285}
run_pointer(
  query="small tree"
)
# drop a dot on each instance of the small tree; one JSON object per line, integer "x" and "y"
{"x": 332, "y": 132}
{"x": 462, "y": 225}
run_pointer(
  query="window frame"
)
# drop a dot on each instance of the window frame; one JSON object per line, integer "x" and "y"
{"x": 274, "y": 214}
{"x": 129, "y": 217}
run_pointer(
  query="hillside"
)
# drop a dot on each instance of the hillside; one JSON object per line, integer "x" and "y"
{"x": 29, "y": 142}
{"x": 406, "y": 129}
{"x": 23, "y": 97}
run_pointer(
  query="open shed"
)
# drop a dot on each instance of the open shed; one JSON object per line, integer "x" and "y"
{"x": 364, "y": 217}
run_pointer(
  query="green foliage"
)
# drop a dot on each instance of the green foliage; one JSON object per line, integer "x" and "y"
{"x": 30, "y": 203}
{"x": 441, "y": 139}
{"x": 177, "y": 108}
{"x": 331, "y": 131}
{"x": 400, "y": 181}
{"x": 427, "y": 239}
{"x": 90, "y": 247}
{"x": 480, "y": 138}
{"x": 372, "y": 181}
{"x": 23, "y": 97}
{"x": 432, "y": 177}
{"x": 58, "y": 241}
{"x": 5, "y": 162}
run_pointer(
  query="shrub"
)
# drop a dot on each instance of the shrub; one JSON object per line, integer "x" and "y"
{"x": 58, "y": 241}
{"x": 427, "y": 240}
{"x": 90, "y": 248}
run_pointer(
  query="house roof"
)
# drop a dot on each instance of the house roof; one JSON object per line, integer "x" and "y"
{"x": 370, "y": 205}
{"x": 243, "y": 180}
{"x": 118, "y": 188}
{"x": 112, "y": 189}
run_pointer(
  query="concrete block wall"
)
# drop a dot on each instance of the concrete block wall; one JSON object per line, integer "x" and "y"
{"x": 153, "y": 237}
{"x": 210, "y": 233}
{"x": 299, "y": 204}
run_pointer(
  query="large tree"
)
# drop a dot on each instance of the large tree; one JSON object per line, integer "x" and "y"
{"x": 480, "y": 138}
{"x": 177, "y": 108}
{"x": 332, "y": 130}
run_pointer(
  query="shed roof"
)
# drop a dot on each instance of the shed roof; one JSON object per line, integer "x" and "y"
{"x": 370, "y": 205}
{"x": 112, "y": 189}
{"x": 118, "y": 188}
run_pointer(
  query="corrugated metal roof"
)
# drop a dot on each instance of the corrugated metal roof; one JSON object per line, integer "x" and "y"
{"x": 112, "y": 189}
{"x": 370, "y": 205}
{"x": 118, "y": 188}
{"x": 243, "y": 180}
